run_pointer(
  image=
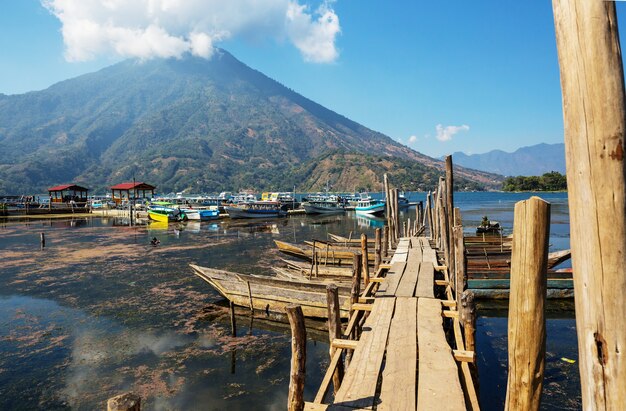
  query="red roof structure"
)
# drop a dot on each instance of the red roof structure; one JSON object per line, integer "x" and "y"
{"x": 64, "y": 187}
{"x": 133, "y": 186}
{"x": 123, "y": 191}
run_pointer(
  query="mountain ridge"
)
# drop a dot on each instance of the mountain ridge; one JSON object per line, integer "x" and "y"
{"x": 187, "y": 124}
{"x": 534, "y": 160}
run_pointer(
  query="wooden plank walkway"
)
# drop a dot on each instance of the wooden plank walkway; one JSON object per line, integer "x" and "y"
{"x": 402, "y": 360}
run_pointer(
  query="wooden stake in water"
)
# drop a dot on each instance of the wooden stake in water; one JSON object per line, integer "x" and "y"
{"x": 334, "y": 329}
{"x": 295, "y": 400}
{"x": 527, "y": 323}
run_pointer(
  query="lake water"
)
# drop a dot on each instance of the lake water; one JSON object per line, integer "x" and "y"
{"x": 99, "y": 311}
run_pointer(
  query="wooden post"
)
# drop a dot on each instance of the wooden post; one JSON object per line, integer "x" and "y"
{"x": 295, "y": 400}
{"x": 468, "y": 319}
{"x": 250, "y": 298}
{"x": 594, "y": 112}
{"x": 377, "y": 250}
{"x": 450, "y": 207}
{"x": 124, "y": 402}
{"x": 386, "y": 241}
{"x": 396, "y": 215}
{"x": 457, "y": 217}
{"x": 365, "y": 260}
{"x": 356, "y": 280}
{"x": 527, "y": 323}
{"x": 42, "y": 239}
{"x": 443, "y": 232}
{"x": 387, "y": 199}
{"x": 460, "y": 282}
{"x": 233, "y": 321}
{"x": 427, "y": 216}
{"x": 334, "y": 329}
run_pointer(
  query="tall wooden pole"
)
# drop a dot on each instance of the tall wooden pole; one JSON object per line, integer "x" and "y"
{"x": 295, "y": 400}
{"x": 377, "y": 250}
{"x": 365, "y": 260}
{"x": 385, "y": 241}
{"x": 460, "y": 278}
{"x": 450, "y": 207}
{"x": 527, "y": 323}
{"x": 334, "y": 329}
{"x": 387, "y": 199}
{"x": 594, "y": 113}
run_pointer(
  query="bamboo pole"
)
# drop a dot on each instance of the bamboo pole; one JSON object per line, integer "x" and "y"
{"x": 334, "y": 329}
{"x": 377, "y": 250}
{"x": 295, "y": 400}
{"x": 594, "y": 113}
{"x": 528, "y": 287}
{"x": 124, "y": 402}
{"x": 365, "y": 270}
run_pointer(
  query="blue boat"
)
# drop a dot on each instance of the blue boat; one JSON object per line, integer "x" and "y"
{"x": 370, "y": 206}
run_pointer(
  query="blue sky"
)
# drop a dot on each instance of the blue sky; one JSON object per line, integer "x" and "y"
{"x": 483, "y": 74}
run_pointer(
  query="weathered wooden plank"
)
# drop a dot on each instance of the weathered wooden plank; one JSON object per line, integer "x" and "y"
{"x": 406, "y": 288}
{"x": 398, "y": 389}
{"x": 425, "y": 280}
{"x": 359, "y": 384}
{"x": 389, "y": 286}
{"x": 438, "y": 387}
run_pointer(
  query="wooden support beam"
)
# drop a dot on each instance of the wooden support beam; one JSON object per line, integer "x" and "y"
{"x": 295, "y": 400}
{"x": 377, "y": 279}
{"x": 464, "y": 355}
{"x": 450, "y": 211}
{"x": 594, "y": 113}
{"x": 345, "y": 344}
{"x": 361, "y": 307}
{"x": 440, "y": 267}
{"x": 445, "y": 283}
{"x": 367, "y": 300}
{"x": 527, "y": 324}
{"x": 450, "y": 314}
{"x": 448, "y": 303}
{"x": 377, "y": 249}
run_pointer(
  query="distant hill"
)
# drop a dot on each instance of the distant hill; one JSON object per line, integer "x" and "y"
{"x": 526, "y": 161}
{"x": 192, "y": 124}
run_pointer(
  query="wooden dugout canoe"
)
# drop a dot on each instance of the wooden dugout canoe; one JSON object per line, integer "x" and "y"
{"x": 272, "y": 294}
{"x": 332, "y": 256}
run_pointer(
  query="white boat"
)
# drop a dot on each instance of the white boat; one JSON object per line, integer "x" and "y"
{"x": 201, "y": 214}
{"x": 323, "y": 207}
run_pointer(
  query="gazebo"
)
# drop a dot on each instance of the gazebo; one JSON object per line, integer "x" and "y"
{"x": 67, "y": 193}
{"x": 127, "y": 191}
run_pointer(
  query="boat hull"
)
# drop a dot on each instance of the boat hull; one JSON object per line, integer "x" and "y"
{"x": 236, "y": 212}
{"x": 321, "y": 209}
{"x": 377, "y": 209}
{"x": 272, "y": 294}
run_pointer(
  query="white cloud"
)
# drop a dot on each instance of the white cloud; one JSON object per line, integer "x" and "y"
{"x": 446, "y": 133}
{"x": 171, "y": 28}
{"x": 412, "y": 139}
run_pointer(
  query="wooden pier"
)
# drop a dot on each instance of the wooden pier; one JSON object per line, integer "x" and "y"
{"x": 402, "y": 359}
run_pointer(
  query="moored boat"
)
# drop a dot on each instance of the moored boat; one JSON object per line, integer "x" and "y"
{"x": 370, "y": 206}
{"x": 257, "y": 209}
{"x": 165, "y": 214}
{"x": 328, "y": 205}
{"x": 201, "y": 214}
{"x": 272, "y": 294}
